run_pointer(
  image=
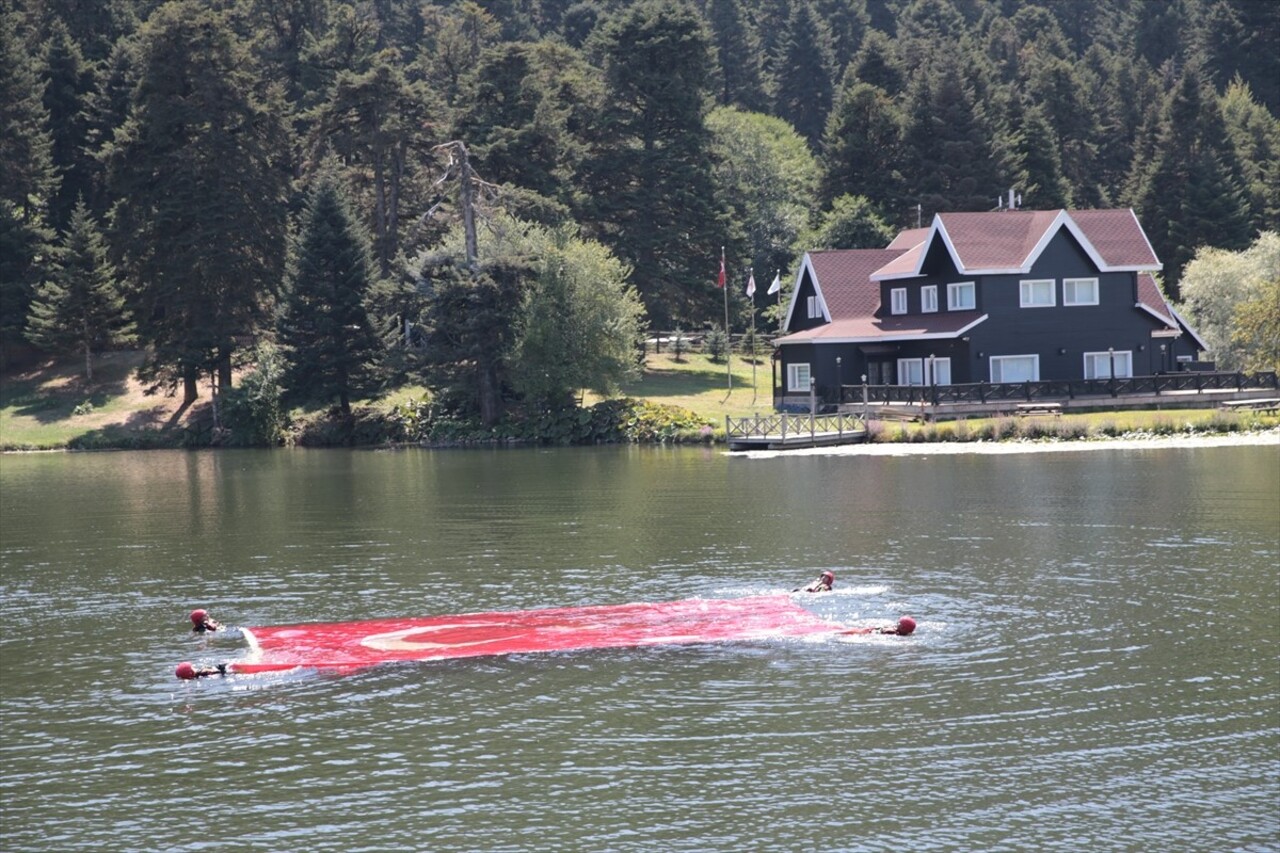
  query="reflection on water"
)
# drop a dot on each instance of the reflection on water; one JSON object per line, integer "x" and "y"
{"x": 1094, "y": 666}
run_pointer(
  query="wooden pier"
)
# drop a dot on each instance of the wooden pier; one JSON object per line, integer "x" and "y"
{"x": 783, "y": 431}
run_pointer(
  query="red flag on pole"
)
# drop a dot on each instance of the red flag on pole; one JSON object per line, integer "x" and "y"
{"x": 720, "y": 281}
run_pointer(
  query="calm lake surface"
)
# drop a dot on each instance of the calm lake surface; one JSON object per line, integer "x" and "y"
{"x": 1096, "y": 664}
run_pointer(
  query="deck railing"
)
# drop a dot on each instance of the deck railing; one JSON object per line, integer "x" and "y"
{"x": 782, "y": 424}
{"x": 987, "y": 392}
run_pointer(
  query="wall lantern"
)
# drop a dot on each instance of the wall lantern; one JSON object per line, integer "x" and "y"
{"x": 1062, "y": 350}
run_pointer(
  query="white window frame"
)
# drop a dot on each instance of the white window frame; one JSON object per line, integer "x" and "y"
{"x": 953, "y": 296}
{"x": 898, "y": 300}
{"x": 799, "y": 375}
{"x": 910, "y": 371}
{"x": 1069, "y": 286}
{"x": 937, "y": 371}
{"x": 929, "y": 299}
{"x": 815, "y": 311}
{"x": 1097, "y": 365}
{"x": 1000, "y": 359}
{"x": 1032, "y": 293}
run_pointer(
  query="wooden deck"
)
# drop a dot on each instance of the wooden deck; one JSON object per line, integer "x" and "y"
{"x": 783, "y": 431}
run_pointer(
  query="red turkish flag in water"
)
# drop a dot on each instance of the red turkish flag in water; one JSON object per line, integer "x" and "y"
{"x": 353, "y": 645}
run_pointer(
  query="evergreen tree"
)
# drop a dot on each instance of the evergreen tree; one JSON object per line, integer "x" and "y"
{"x": 646, "y": 185}
{"x": 199, "y": 182}
{"x": 804, "y": 73}
{"x": 1191, "y": 194}
{"x": 1039, "y": 172}
{"x": 80, "y": 305}
{"x": 524, "y": 118}
{"x": 740, "y": 77}
{"x": 330, "y": 345}
{"x": 1255, "y": 134}
{"x": 852, "y": 223}
{"x": 27, "y": 180}
{"x": 876, "y": 64}
{"x": 67, "y": 98}
{"x": 372, "y": 120}
{"x": 862, "y": 146}
{"x": 946, "y": 148}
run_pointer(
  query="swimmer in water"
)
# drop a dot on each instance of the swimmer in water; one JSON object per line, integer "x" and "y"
{"x": 201, "y": 622}
{"x": 823, "y": 584}
{"x": 186, "y": 671}
{"x": 905, "y": 627}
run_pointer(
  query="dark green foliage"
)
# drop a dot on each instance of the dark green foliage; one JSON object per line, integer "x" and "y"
{"x": 330, "y": 343}
{"x": 253, "y": 413}
{"x": 852, "y": 223}
{"x": 79, "y": 307}
{"x": 471, "y": 328}
{"x": 67, "y": 98}
{"x": 804, "y": 73}
{"x": 862, "y": 146}
{"x": 648, "y": 188}
{"x": 716, "y": 344}
{"x": 1191, "y": 194}
{"x": 740, "y": 72}
{"x": 198, "y": 174}
{"x": 27, "y": 179}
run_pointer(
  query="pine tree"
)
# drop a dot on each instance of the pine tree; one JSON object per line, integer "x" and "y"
{"x": 27, "y": 180}
{"x": 804, "y": 73}
{"x": 330, "y": 343}
{"x": 646, "y": 184}
{"x": 1191, "y": 193}
{"x": 740, "y": 77}
{"x": 862, "y": 146}
{"x": 67, "y": 99}
{"x": 79, "y": 306}
{"x": 199, "y": 182}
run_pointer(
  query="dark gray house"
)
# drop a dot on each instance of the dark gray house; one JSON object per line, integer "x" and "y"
{"x": 1003, "y": 296}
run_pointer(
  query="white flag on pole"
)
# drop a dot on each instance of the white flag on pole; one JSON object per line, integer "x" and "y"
{"x": 777, "y": 283}
{"x": 751, "y": 285}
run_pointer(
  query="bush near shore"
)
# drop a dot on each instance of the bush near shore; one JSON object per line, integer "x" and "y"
{"x": 677, "y": 401}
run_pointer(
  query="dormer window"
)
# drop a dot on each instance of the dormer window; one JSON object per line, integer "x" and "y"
{"x": 929, "y": 299}
{"x": 961, "y": 296}
{"x": 1037, "y": 293}
{"x": 898, "y": 300}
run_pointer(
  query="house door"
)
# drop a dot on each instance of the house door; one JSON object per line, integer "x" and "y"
{"x": 880, "y": 373}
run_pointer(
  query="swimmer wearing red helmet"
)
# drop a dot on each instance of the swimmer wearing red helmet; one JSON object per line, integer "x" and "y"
{"x": 201, "y": 622}
{"x": 823, "y": 584}
{"x": 905, "y": 627}
{"x": 186, "y": 671}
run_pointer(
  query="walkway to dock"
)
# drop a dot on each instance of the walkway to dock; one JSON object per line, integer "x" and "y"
{"x": 783, "y": 431}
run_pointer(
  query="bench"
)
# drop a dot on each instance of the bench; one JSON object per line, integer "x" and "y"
{"x": 1025, "y": 409}
{"x": 1268, "y": 406}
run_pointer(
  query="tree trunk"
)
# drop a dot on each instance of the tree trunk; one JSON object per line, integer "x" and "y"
{"x": 190, "y": 391}
{"x": 88, "y": 362}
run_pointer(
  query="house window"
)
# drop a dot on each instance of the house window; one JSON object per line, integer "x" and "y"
{"x": 798, "y": 377}
{"x": 1036, "y": 293}
{"x": 1097, "y": 365}
{"x": 941, "y": 369}
{"x": 929, "y": 298}
{"x": 898, "y": 300}
{"x": 814, "y": 311}
{"x": 1079, "y": 291}
{"x": 960, "y": 296}
{"x": 910, "y": 371}
{"x": 1015, "y": 368}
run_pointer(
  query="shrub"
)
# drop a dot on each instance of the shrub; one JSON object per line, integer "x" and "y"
{"x": 253, "y": 412}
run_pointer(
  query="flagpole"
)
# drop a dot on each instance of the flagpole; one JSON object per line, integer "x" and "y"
{"x": 753, "y": 337}
{"x": 728, "y": 339}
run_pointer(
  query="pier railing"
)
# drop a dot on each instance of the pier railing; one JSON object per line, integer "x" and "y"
{"x": 780, "y": 425}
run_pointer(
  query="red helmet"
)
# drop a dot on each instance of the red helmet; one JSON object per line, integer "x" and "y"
{"x": 831, "y": 576}
{"x": 198, "y": 616}
{"x": 906, "y": 625}
{"x": 185, "y": 670}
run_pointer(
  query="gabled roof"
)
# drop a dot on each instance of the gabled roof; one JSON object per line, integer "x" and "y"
{"x": 851, "y": 270}
{"x": 1010, "y": 241}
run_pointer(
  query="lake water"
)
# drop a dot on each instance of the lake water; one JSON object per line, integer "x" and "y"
{"x": 1095, "y": 667}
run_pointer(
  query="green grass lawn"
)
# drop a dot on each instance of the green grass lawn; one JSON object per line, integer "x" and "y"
{"x": 702, "y": 386}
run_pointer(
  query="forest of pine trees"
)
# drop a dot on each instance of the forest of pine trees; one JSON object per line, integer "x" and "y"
{"x": 180, "y": 173}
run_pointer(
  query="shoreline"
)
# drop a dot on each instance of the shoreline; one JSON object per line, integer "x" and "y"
{"x": 1264, "y": 438}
